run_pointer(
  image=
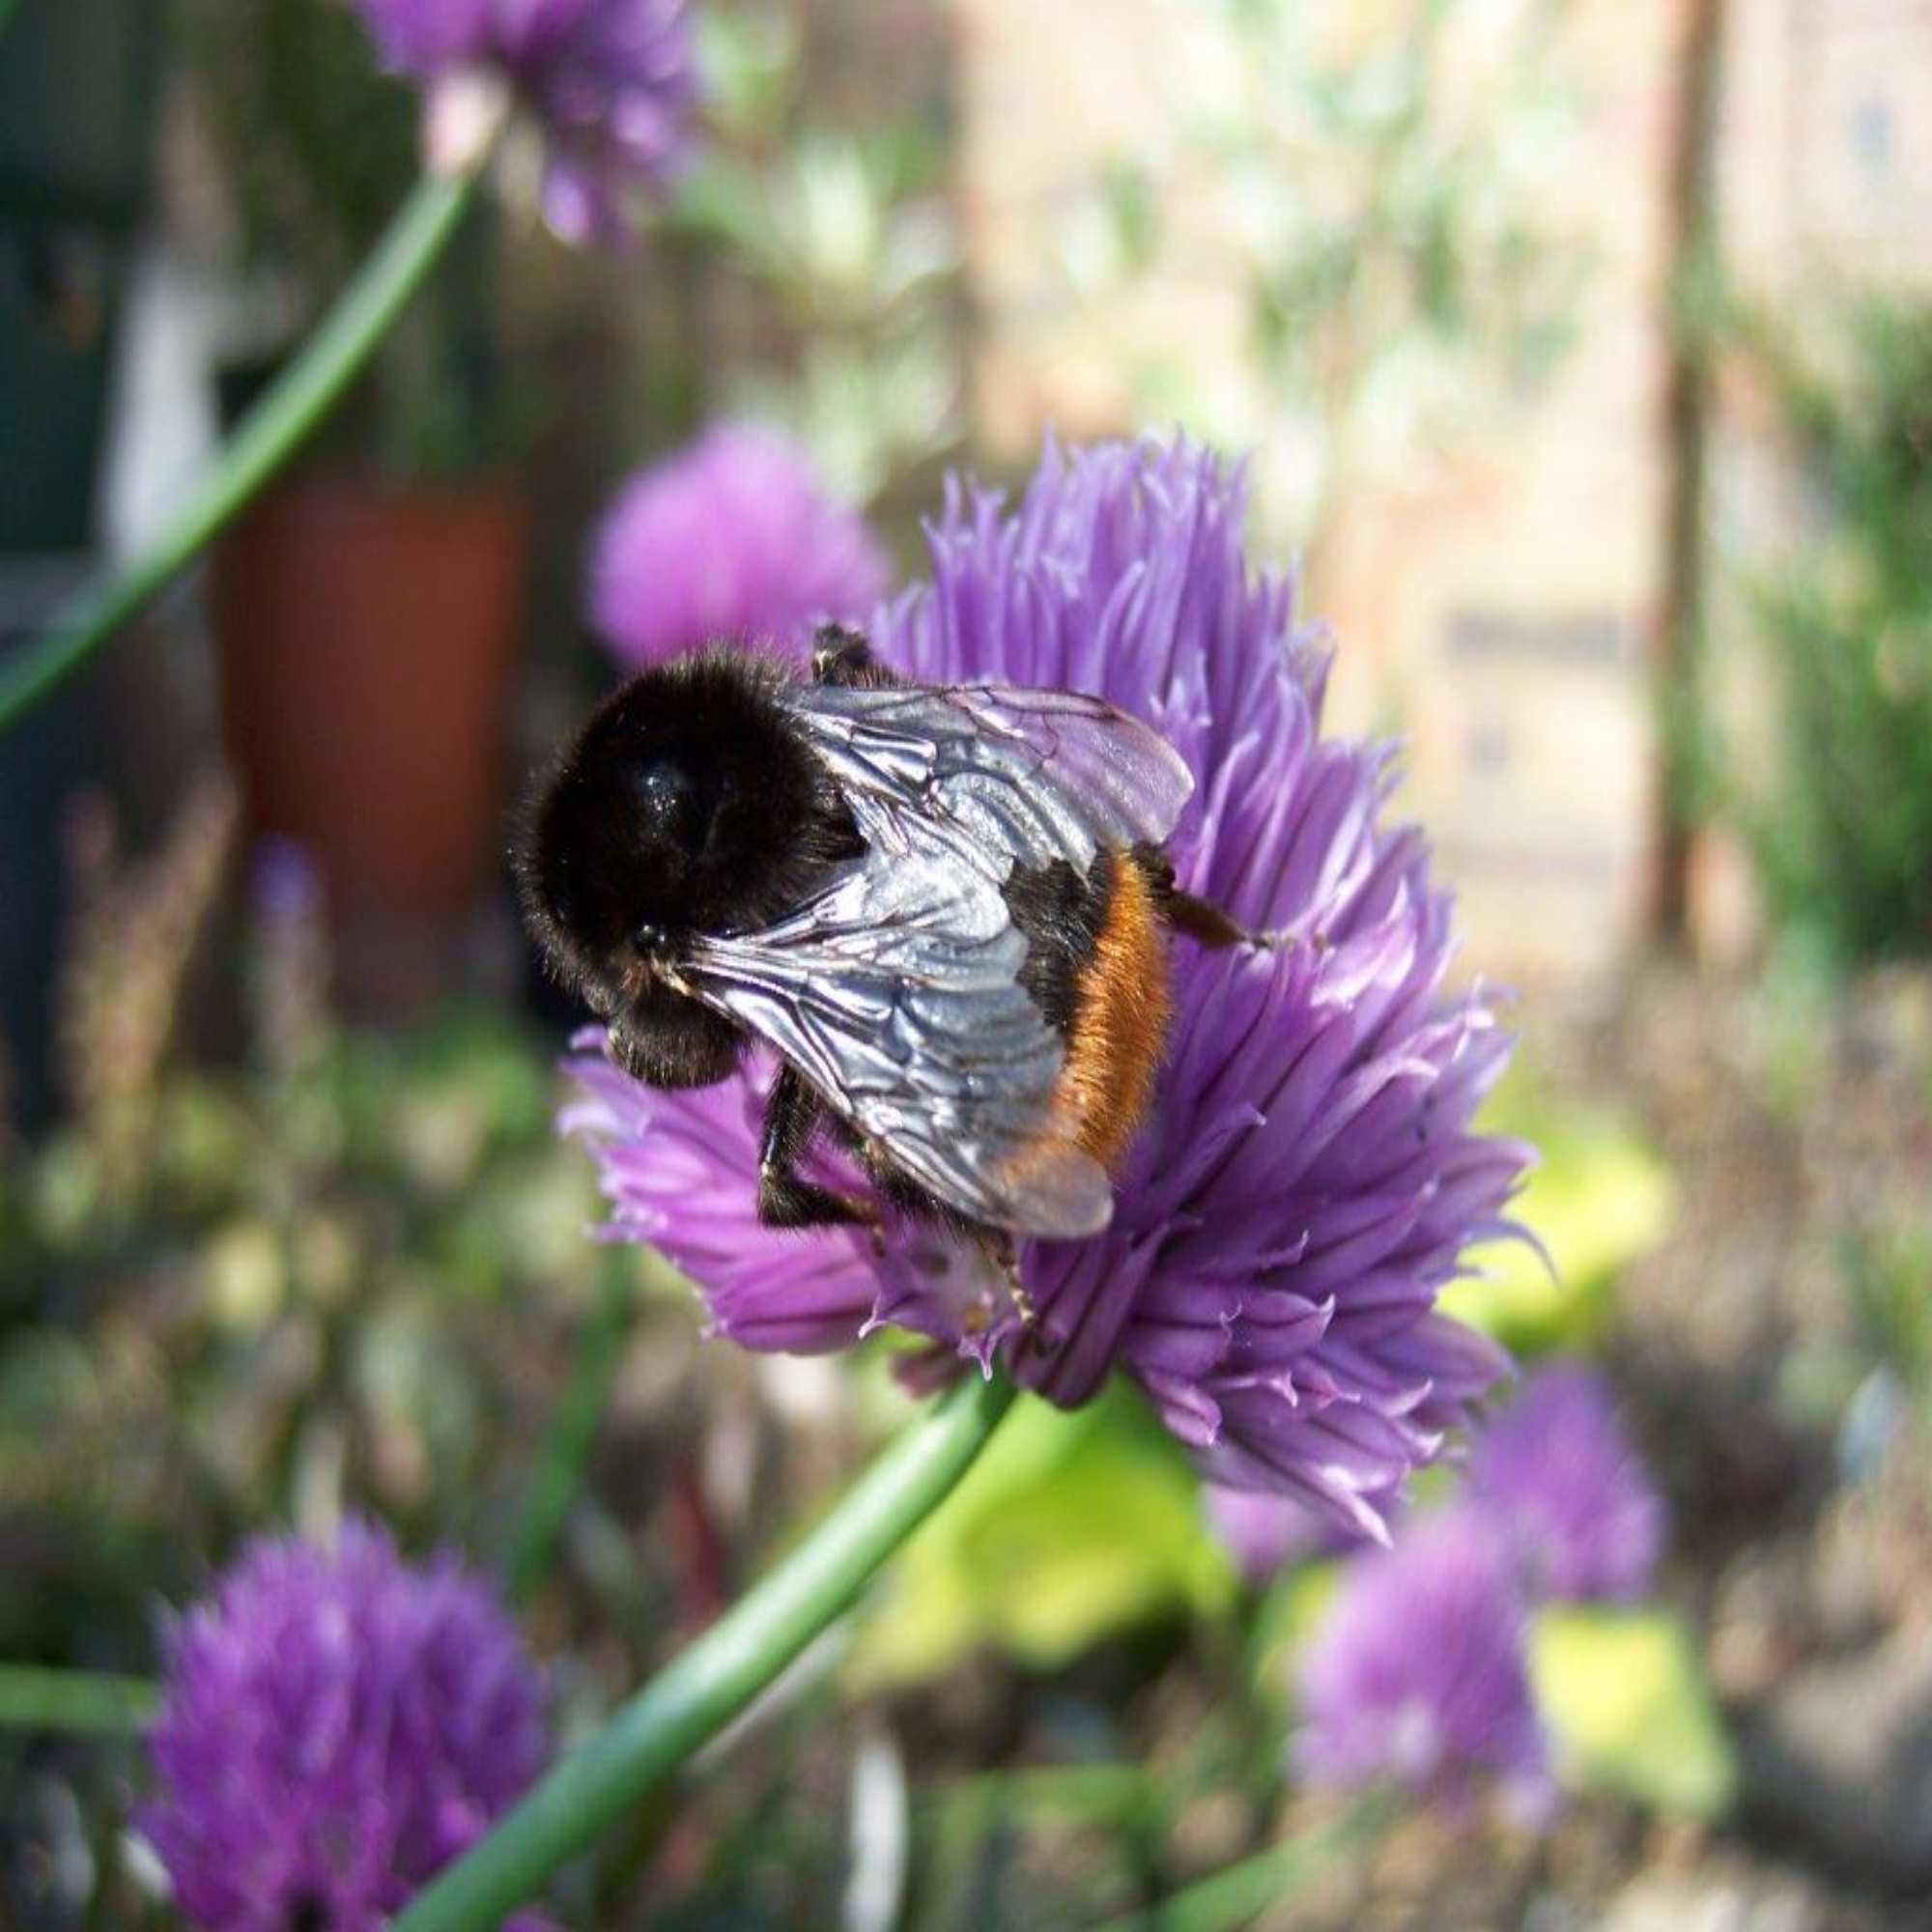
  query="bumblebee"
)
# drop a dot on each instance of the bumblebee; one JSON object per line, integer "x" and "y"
{"x": 945, "y": 908}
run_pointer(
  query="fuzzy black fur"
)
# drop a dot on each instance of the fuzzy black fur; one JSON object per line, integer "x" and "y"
{"x": 1061, "y": 915}
{"x": 687, "y": 804}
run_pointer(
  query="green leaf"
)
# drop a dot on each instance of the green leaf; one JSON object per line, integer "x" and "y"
{"x": 1629, "y": 1709}
{"x": 1072, "y": 1527}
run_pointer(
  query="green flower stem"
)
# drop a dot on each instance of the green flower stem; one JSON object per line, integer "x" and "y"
{"x": 695, "y": 1696}
{"x": 38, "y": 1699}
{"x": 275, "y": 429}
{"x": 1241, "y": 1893}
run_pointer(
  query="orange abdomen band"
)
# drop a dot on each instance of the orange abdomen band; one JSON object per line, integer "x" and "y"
{"x": 1119, "y": 1028}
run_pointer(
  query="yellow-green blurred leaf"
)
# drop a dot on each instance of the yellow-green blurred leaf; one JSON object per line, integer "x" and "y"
{"x": 1289, "y": 1614}
{"x": 244, "y": 1276}
{"x": 1070, "y": 1528}
{"x": 1629, "y": 1709}
{"x": 1598, "y": 1200}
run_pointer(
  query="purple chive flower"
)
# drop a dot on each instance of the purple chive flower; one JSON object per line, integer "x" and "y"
{"x": 1416, "y": 1671}
{"x": 1307, "y": 1179}
{"x": 610, "y": 82}
{"x": 733, "y": 537}
{"x": 1556, "y": 1469}
{"x": 335, "y": 1726}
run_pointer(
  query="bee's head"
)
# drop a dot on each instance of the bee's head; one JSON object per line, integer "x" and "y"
{"x": 682, "y": 809}
{"x": 634, "y": 843}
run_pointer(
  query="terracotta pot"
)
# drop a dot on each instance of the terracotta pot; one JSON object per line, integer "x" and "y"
{"x": 366, "y": 636}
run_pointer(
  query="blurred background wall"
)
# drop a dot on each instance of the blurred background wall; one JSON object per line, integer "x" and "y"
{"x": 1491, "y": 481}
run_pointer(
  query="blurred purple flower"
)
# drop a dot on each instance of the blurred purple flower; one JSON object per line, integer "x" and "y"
{"x": 1262, "y": 1530}
{"x": 612, "y": 83}
{"x": 1306, "y": 1181}
{"x": 1416, "y": 1670}
{"x": 1557, "y": 1472}
{"x": 335, "y": 1726}
{"x": 283, "y": 881}
{"x": 733, "y": 538}
{"x": 289, "y": 984}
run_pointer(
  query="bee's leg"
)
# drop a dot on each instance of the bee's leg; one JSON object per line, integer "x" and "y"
{"x": 839, "y": 656}
{"x": 1201, "y": 919}
{"x": 785, "y": 1199}
{"x": 998, "y": 1246}
{"x": 997, "y": 1249}
{"x": 1205, "y": 923}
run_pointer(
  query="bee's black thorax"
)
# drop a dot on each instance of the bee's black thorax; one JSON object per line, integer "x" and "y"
{"x": 1060, "y": 915}
{"x": 687, "y": 805}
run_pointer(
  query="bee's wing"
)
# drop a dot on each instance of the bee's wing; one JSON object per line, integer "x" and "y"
{"x": 895, "y": 993}
{"x": 1006, "y": 776}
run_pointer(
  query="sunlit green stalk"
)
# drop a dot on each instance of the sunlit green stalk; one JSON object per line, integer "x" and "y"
{"x": 693, "y": 1697}
{"x": 331, "y": 361}
{"x": 1236, "y": 1895}
{"x": 39, "y": 1699}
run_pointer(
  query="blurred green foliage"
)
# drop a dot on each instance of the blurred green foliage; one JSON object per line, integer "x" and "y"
{"x": 281, "y": 1279}
{"x": 1888, "y": 1273}
{"x": 1843, "y": 834}
{"x": 319, "y": 143}
{"x": 1870, "y": 1384}
{"x": 318, "y": 148}
{"x": 233, "y": 1296}
{"x": 1598, "y": 1198}
{"x": 847, "y": 225}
